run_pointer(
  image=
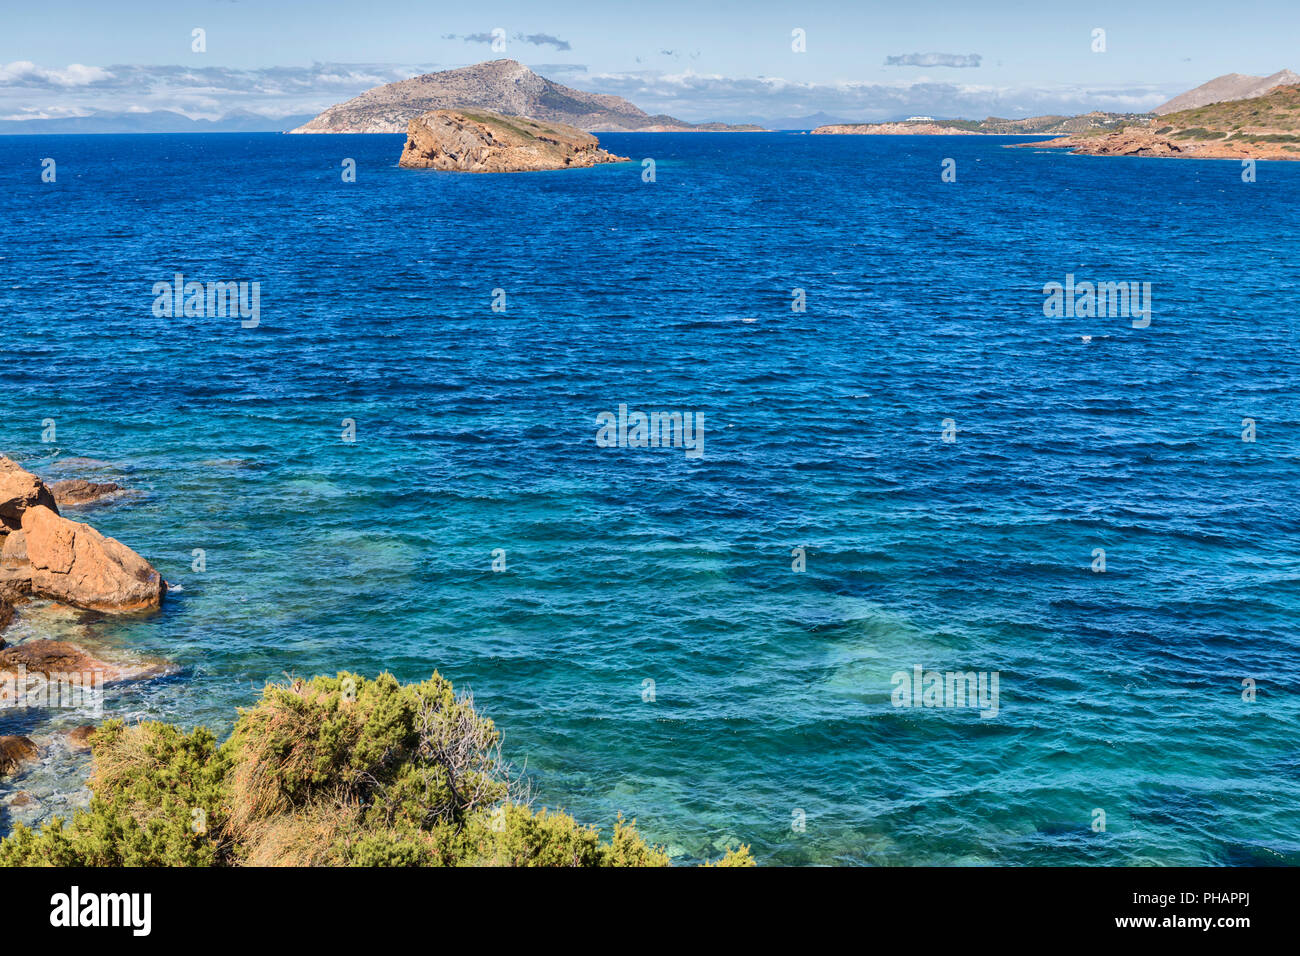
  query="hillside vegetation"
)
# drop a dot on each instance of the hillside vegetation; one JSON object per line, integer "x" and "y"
{"x": 1271, "y": 118}
{"x": 1264, "y": 127}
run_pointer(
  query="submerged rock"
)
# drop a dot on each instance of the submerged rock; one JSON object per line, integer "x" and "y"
{"x": 48, "y": 657}
{"x": 78, "y": 491}
{"x": 80, "y": 738}
{"x": 479, "y": 141}
{"x": 74, "y": 563}
{"x": 14, "y": 752}
{"x": 81, "y": 464}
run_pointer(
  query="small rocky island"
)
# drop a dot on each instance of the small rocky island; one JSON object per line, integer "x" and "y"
{"x": 480, "y": 141}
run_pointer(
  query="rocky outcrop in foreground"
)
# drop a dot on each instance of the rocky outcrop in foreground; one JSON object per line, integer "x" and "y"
{"x": 73, "y": 563}
{"x": 482, "y": 142}
{"x": 19, "y": 490}
{"x": 45, "y": 554}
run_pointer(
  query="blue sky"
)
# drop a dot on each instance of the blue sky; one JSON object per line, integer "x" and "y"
{"x": 697, "y": 59}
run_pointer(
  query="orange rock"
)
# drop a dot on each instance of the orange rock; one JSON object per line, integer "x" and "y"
{"x": 48, "y": 658}
{"x": 20, "y": 490}
{"x": 74, "y": 563}
{"x": 480, "y": 141}
{"x": 79, "y": 738}
{"x": 78, "y": 491}
{"x": 1132, "y": 141}
{"x": 15, "y": 569}
{"x": 14, "y": 752}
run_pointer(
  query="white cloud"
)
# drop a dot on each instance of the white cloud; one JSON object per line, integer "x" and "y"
{"x": 27, "y": 73}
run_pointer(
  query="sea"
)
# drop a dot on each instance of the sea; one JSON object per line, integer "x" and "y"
{"x": 908, "y": 474}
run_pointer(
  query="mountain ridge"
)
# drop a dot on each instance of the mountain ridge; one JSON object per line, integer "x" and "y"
{"x": 151, "y": 121}
{"x": 501, "y": 86}
{"x": 1226, "y": 89}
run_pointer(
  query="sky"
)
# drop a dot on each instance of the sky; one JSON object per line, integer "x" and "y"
{"x": 695, "y": 59}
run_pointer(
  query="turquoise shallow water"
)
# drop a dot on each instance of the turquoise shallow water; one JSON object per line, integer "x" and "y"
{"x": 476, "y": 431}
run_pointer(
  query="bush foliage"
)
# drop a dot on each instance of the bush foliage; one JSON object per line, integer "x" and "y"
{"x": 335, "y": 771}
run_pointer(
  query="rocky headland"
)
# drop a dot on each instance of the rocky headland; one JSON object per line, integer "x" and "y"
{"x": 478, "y": 141}
{"x": 1262, "y": 127}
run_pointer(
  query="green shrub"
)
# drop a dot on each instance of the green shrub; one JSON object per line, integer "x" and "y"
{"x": 159, "y": 800}
{"x": 335, "y": 771}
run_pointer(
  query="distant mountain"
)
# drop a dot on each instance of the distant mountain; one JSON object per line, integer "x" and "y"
{"x": 811, "y": 121}
{"x": 1226, "y": 89}
{"x": 157, "y": 121}
{"x": 502, "y": 86}
{"x": 996, "y": 126}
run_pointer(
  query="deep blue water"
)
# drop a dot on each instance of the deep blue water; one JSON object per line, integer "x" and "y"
{"x": 1119, "y": 691}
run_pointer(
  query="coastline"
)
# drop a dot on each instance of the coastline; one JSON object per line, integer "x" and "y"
{"x": 1148, "y": 145}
